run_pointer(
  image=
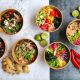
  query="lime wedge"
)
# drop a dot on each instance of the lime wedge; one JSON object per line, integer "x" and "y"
{"x": 38, "y": 37}
{"x": 79, "y": 8}
{"x": 44, "y": 35}
{"x": 75, "y": 13}
{"x": 43, "y": 43}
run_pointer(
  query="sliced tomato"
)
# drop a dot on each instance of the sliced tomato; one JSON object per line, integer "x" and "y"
{"x": 54, "y": 13}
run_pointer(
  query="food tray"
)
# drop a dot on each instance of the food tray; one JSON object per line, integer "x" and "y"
{"x": 70, "y": 72}
{"x": 28, "y": 8}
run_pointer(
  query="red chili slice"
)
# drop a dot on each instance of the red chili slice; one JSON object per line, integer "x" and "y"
{"x": 75, "y": 63}
{"x": 77, "y": 60}
{"x": 54, "y": 13}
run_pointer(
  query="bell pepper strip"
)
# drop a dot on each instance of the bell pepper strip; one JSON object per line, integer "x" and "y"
{"x": 76, "y": 54}
{"x": 75, "y": 63}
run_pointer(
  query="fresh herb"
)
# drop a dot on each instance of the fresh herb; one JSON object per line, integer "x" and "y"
{"x": 28, "y": 55}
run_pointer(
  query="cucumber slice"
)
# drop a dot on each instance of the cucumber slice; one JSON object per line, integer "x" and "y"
{"x": 44, "y": 35}
{"x": 75, "y": 13}
{"x": 38, "y": 37}
{"x": 43, "y": 43}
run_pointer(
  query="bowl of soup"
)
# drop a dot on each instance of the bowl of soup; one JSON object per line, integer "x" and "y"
{"x": 73, "y": 32}
{"x": 49, "y": 18}
{"x": 57, "y": 55}
{"x": 11, "y": 21}
{"x": 25, "y": 51}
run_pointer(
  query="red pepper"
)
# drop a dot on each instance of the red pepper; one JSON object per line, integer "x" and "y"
{"x": 76, "y": 54}
{"x": 75, "y": 63}
{"x": 77, "y": 60}
{"x": 54, "y": 13}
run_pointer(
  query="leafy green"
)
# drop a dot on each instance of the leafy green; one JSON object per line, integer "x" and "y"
{"x": 53, "y": 63}
{"x": 74, "y": 37}
{"x": 61, "y": 47}
{"x": 57, "y": 22}
{"x": 50, "y": 50}
{"x": 17, "y": 27}
{"x": 28, "y": 55}
{"x": 10, "y": 31}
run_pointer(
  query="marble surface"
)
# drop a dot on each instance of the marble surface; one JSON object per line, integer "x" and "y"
{"x": 70, "y": 72}
{"x": 28, "y": 8}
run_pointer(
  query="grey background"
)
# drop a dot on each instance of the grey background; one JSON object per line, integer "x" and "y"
{"x": 69, "y": 72}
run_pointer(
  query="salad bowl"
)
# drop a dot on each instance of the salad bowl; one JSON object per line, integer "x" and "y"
{"x": 49, "y": 18}
{"x": 57, "y": 55}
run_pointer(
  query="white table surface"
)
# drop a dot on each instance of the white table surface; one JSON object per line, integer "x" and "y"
{"x": 28, "y": 8}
